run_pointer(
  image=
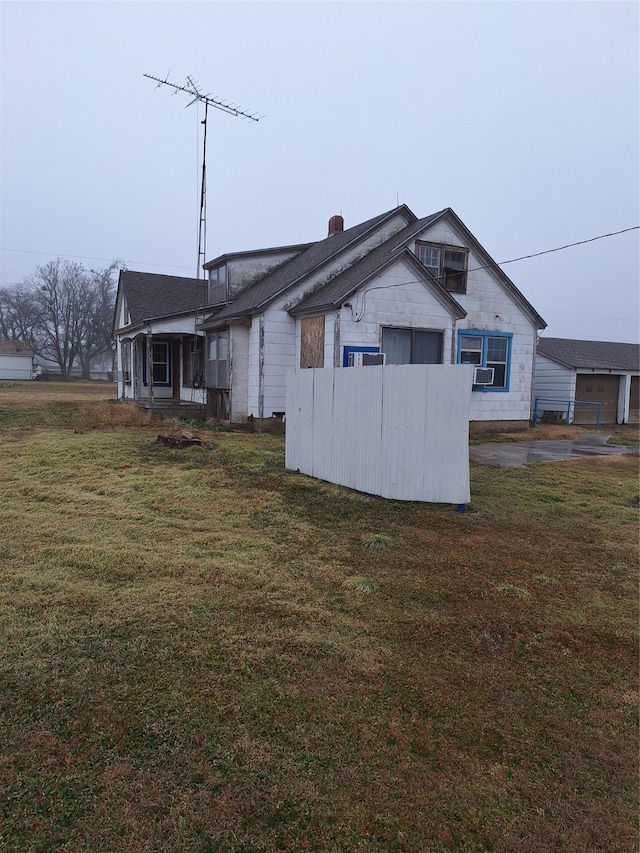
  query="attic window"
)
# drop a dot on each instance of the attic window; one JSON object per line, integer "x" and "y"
{"x": 446, "y": 263}
{"x": 217, "y": 285}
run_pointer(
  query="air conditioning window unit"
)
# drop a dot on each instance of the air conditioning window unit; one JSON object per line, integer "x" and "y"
{"x": 483, "y": 375}
{"x": 365, "y": 359}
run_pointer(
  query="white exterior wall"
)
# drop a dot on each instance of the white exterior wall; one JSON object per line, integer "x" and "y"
{"x": 279, "y": 356}
{"x": 385, "y": 301}
{"x": 243, "y": 272}
{"x": 280, "y": 350}
{"x": 553, "y": 380}
{"x": 16, "y": 366}
{"x": 239, "y": 358}
{"x": 400, "y": 431}
{"x": 489, "y": 308}
{"x": 253, "y": 366}
{"x": 344, "y": 260}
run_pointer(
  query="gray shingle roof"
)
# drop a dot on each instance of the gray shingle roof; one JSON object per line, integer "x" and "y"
{"x": 335, "y": 291}
{"x": 15, "y": 348}
{"x": 258, "y": 295}
{"x": 150, "y": 295}
{"x": 599, "y": 355}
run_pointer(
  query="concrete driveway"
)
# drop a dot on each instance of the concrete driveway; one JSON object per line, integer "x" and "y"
{"x": 515, "y": 454}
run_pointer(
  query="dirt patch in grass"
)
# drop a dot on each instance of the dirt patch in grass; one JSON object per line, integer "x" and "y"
{"x": 199, "y": 652}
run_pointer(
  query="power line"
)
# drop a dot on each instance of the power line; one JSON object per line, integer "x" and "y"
{"x": 473, "y": 269}
{"x": 560, "y": 248}
{"x": 91, "y": 258}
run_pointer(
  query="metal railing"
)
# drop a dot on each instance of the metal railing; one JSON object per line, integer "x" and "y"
{"x": 569, "y": 404}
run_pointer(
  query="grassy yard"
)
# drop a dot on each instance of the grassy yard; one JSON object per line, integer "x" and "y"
{"x": 203, "y": 653}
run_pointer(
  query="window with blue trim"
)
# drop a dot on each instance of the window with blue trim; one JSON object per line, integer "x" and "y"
{"x": 487, "y": 349}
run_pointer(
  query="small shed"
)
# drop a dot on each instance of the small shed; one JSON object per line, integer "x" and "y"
{"x": 589, "y": 372}
{"x": 16, "y": 360}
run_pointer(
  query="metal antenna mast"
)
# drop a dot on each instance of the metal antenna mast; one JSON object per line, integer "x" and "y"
{"x": 192, "y": 87}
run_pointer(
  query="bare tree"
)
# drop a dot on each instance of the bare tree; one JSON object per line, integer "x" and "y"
{"x": 95, "y": 331}
{"x": 19, "y": 314}
{"x": 65, "y": 310}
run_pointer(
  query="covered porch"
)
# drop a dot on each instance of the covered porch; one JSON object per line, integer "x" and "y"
{"x": 163, "y": 371}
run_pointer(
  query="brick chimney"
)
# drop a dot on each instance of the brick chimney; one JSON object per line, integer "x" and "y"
{"x": 336, "y": 225}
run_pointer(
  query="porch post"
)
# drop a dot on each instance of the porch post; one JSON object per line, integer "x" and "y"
{"x": 149, "y": 369}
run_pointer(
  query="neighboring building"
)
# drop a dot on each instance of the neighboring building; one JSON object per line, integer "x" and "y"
{"x": 16, "y": 360}
{"x": 419, "y": 290}
{"x": 589, "y": 372}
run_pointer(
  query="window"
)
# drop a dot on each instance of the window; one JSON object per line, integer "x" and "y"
{"x": 126, "y": 362}
{"x": 193, "y": 362}
{"x": 217, "y": 285}
{"x": 447, "y": 264}
{"x": 218, "y": 360}
{"x": 161, "y": 364}
{"x": 412, "y": 346}
{"x": 487, "y": 349}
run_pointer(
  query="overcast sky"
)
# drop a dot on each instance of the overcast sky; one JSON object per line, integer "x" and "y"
{"x": 523, "y": 117}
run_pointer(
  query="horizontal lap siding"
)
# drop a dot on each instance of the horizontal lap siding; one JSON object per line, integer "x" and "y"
{"x": 239, "y": 373}
{"x": 395, "y": 298}
{"x": 279, "y": 356}
{"x": 553, "y": 380}
{"x": 252, "y": 368}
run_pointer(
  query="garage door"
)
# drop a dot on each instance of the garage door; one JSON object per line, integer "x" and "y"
{"x": 597, "y": 388}
{"x": 634, "y": 400}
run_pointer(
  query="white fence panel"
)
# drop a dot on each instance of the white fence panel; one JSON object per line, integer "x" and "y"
{"x": 399, "y": 431}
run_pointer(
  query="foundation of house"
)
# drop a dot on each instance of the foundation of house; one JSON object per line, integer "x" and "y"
{"x": 483, "y": 427}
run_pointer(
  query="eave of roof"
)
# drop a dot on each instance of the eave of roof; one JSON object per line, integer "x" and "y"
{"x": 482, "y": 253}
{"x": 591, "y": 355}
{"x": 232, "y": 256}
{"x": 336, "y": 291}
{"x": 257, "y": 297}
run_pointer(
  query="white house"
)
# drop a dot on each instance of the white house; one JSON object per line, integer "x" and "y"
{"x": 573, "y": 375}
{"x": 16, "y": 360}
{"x": 421, "y": 291}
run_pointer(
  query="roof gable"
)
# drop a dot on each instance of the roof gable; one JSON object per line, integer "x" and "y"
{"x": 334, "y": 292}
{"x": 472, "y": 243}
{"x": 259, "y": 295}
{"x": 591, "y": 355}
{"x": 150, "y": 296}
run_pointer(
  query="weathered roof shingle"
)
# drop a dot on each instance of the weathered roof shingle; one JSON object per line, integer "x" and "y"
{"x": 150, "y": 295}
{"x": 592, "y": 355}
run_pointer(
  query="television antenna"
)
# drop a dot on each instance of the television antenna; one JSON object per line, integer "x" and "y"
{"x": 192, "y": 87}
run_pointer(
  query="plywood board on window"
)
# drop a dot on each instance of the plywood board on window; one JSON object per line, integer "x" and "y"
{"x": 312, "y": 342}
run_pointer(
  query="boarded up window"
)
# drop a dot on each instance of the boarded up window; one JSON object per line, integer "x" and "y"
{"x": 312, "y": 342}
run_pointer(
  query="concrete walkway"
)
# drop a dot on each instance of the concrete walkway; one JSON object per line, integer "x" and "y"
{"x": 515, "y": 454}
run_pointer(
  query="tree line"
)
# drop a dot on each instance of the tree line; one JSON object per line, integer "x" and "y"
{"x": 65, "y": 311}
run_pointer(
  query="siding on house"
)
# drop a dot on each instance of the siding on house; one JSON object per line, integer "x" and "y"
{"x": 253, "y": 369}
{"x": 491, "y": 308}
{"x": 279, "y": 355}
{"x": 553, "y": 380}
{"x": 239, "y": 373}
{"x": 388, "y": 301}
{"x": 243, "y": 272}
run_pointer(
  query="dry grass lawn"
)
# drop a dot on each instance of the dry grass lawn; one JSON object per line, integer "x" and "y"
{"x": 200, "y": 651}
